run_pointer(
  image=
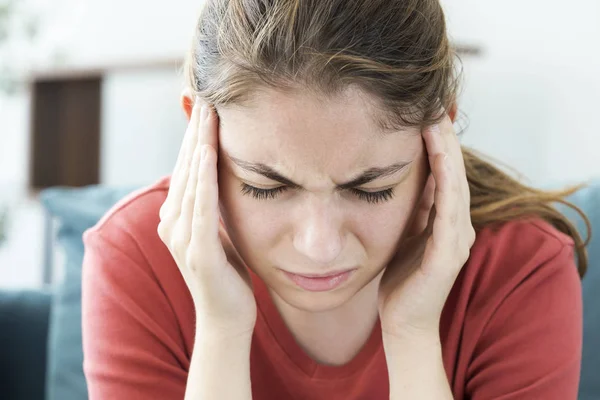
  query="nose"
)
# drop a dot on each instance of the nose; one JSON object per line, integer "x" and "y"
{"x": 319, "y": 236}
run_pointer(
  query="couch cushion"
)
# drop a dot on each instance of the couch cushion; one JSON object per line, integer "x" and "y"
{"x": 588, "y": 199}
{"x": 23, "y": 334}
{"x": 76, "y": 209}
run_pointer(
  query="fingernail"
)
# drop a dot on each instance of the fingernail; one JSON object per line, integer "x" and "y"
{"x": 435, "y": 128}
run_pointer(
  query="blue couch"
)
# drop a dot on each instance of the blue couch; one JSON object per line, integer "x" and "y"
{"x": 40, "y": 335}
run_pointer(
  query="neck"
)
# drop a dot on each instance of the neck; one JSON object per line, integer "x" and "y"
{"x": 325, "y": 336}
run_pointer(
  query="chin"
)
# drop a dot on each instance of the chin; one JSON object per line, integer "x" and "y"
{"x": 314, "y": 302}
{"x": 318, "y": 301}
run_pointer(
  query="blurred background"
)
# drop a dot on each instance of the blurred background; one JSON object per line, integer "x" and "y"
{"x": 89, "y": 99}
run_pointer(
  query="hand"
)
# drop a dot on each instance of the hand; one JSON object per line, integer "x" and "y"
{"x": 418, "y": 280}
{"x": 192, "y": 229}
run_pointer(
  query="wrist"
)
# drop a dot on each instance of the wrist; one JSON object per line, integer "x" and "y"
{"x": 217, "y": 333}
{"x": 413, "y": 360}
{"x": 220, "y": 366}
{"x": 219, "y": 339}
{"x": 405, "y": 352}
{"x": 417, "y": 337}
{"x": 416, "y": 367}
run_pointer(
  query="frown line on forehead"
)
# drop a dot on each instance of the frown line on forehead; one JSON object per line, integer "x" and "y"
{"x": 368, "y": 175}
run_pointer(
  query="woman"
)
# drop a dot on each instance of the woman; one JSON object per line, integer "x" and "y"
{"x": 324, "y": 235}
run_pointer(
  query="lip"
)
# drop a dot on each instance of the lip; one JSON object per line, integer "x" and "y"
{"x": 326, "y": 275}
{"x": 322, "y": 282}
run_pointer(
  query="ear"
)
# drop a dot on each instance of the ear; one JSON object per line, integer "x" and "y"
{"x": 452, "y": 111}
{"x": 187, "y": 102}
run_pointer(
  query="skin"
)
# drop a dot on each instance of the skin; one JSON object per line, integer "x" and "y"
{"x": 315, "y": 228}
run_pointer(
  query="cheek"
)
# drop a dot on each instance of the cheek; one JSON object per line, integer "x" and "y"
{"x": 251, "y": 224}
{"x": 381, "y": 227}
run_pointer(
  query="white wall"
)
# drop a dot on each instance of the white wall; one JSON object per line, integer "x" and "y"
{"x": 142, "y": 126}
{"x": 116, "y": 30}
{"x": 14, "y": 141}
{"x": 533, "y": 97}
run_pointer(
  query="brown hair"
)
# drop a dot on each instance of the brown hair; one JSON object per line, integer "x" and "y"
{"x": 398, "y": 51}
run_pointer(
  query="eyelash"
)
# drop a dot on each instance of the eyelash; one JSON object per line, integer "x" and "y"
{"x": 264, "y": 194}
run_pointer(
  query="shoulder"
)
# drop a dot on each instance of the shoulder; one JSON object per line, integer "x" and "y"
{"x": 516, "y": 249}
{"x": 123, "y": 251}
{"x": 136, "y": 215}
{"x": 521, "y": 235}
{"x": 139, "y": 207}
{"x": 128, "y": 231}
{"x": 135, "y": 303}
{"x": 514, "y": 262}
{"x": 515, "y": 315}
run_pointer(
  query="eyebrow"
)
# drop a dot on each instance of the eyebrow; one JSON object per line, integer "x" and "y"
{"x": 367, "y": 176}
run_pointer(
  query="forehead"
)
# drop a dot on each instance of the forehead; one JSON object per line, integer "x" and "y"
{"x": 301, "y": 129}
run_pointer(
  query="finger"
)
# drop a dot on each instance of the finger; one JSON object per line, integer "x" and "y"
{"x": 443, "y": 139}
{"x": 190, "y": 138}
{"x": 434, "y": 144}
{"x": 436, "y": 136}
{"x": 209, "y": 128}
{"x": 206, "y": 207}
{"x": 454, "y": 148}
{"x": 189, "y": 196}
{"x": 440, "y": 138}
{"x": 431, "y": 220}
{"x": 457, "y": 162}
{"x": 205, "y": 220}
{"x": 182, "y": 169}
{"x": 233, "y": 256}
{"x": 424, "y": 208}
{"x": 445, "y": 199}
{"x": 429, "y": 193}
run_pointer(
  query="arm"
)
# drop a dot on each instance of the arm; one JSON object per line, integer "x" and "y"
{"x": 220, "y": 369}
{"x": 415, "y": 368}
{"x": 133, "y": 345}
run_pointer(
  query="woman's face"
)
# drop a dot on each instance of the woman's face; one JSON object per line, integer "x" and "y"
{"x": 312, "y": 224}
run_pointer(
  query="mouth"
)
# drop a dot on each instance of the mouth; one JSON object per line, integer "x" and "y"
{"x": 320, "y": 282}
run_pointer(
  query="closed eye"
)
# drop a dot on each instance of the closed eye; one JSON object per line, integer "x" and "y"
{"x": 265, "y": 194}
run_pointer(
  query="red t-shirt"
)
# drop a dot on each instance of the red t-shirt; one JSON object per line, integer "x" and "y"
{"x": 511, "y": 327}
